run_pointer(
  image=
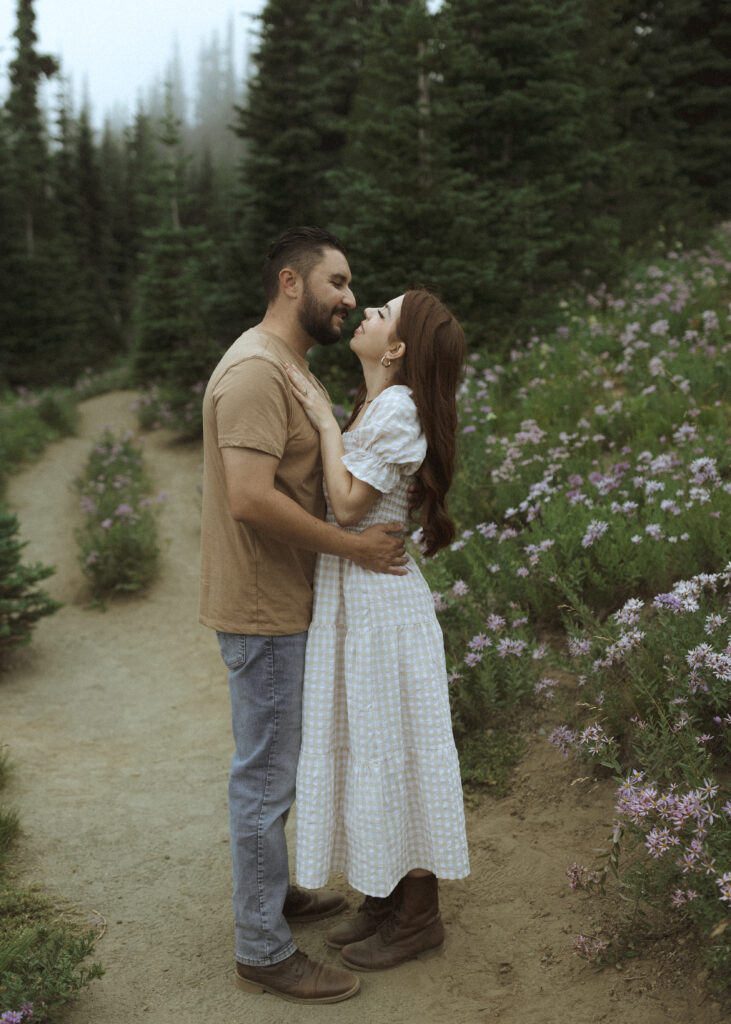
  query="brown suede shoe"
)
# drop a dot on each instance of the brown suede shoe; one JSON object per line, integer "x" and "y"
{"x": 299, "y": 980}
{"x": 372, "y": 912}
{"x": 303, "y": 905}
{"x": 414, "y": 928}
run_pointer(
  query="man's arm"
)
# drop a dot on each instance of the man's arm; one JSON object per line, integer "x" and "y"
{"x": 254, "y": 500}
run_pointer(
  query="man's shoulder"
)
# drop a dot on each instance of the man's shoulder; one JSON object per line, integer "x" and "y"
{"x": 257, "y": 344}
{"x": 254, "y": 353}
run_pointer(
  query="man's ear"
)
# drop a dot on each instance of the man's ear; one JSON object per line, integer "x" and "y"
{"x": 289, "y": 281}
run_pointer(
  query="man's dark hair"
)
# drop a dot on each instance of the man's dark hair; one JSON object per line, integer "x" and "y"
{"x": 298, "y": 248}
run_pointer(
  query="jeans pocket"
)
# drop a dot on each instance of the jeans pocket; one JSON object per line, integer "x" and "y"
{"x": 233, "y": 649}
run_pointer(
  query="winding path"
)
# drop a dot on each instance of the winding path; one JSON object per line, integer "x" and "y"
{"x": 117, "y": 722}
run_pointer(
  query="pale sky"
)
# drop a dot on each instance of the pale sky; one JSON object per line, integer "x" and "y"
{"x": 116, "y": 49}
{"x": 119, "y": 48}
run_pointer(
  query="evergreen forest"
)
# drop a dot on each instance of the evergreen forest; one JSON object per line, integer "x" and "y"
{"x": 503, "y": 153}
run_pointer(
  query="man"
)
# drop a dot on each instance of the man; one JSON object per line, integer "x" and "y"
{"x": 262, "y": 524}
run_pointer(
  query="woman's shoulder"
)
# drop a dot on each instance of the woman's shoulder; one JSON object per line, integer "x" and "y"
{"x": 392, "y": 424}
{"x": 395, "y": 400}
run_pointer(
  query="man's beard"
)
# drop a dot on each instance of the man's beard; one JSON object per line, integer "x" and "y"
{"x": 317, "y": 320}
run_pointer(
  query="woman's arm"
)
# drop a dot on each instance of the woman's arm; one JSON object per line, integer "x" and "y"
{"x": 350, "y": 498}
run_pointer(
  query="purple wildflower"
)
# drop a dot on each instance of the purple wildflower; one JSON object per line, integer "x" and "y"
{"x": 590, "y": 949}
{"x": 577, "y": 647}
{"x": 564, "y": 739}
{"x": 594, "y": 531}
{"x": 547, "y": 687}
{"x": 507, "y": 646}
{"x": 629, "y": 614}
{"x": 724, "y": 884}
{"x": 681, "y": 896}
{"x": 659, "y": 841}
{"x": 495, "y": 622}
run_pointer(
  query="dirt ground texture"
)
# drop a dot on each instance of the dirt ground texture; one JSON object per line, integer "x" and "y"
{"x": 117, "y": 722}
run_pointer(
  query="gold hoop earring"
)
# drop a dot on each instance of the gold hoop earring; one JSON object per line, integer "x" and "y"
{"x": 385, "y": 361}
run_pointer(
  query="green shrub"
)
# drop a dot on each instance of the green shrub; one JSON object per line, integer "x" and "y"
{"x": 31, "y": 420}
{"x": 22, "y": 603}
{"x": 42, "y": 949}
{"x": 9, "y": 822}
{"x": 22, "y": 434}
{"x": 98, "y": 382}
{"x": 58, "y": 410}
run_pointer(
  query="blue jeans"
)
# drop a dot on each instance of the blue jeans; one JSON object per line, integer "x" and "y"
{"x": 265, "y": 676}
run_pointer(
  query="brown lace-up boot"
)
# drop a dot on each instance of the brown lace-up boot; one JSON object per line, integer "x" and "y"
{"x": 299, "y": 980}
{"x": 413, "y": 928}
{"x": 303, "y": 905}
{"x": 372, "y": 912}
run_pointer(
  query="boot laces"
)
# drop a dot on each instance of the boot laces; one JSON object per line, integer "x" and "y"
{"x": 372, "y": 904}
{"x": 389, "y": 926}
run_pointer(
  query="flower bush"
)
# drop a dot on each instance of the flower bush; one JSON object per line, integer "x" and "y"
{"x": 657, "y": 683}
{"x": 173, "y": 407}
{"x": 593, "y": 500}
{"x": 118, "y": 539}
{"x": 599, "y": 457}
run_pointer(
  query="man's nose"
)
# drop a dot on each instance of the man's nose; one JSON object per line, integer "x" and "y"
{"x": 349, "y": 299}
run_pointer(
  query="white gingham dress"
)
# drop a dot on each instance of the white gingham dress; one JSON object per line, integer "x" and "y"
{"x": 378, "y": 783}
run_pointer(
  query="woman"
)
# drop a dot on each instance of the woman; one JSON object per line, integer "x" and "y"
{"x": 378, "y": 785}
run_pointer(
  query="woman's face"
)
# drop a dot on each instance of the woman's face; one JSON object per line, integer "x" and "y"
{"x": 372, "y": 338}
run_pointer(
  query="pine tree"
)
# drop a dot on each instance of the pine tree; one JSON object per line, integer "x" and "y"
{"x": 393, "y": 197}
{"x": 672, "y": 104}
{"x": 217, "y": 95}
{"x": 22, "y": 602}
{"x": 121, "y": 256}
{"x": 523, "y": 117}
{"x": 28, "y": 136}
{"x": 402, "y": 209}
{"x": 44, "y": 335}
{"x": 174, "y": 287}
{"x": 294, "y": 120}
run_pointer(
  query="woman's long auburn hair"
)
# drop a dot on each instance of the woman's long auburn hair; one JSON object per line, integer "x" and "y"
{"x": 432, "y": 368}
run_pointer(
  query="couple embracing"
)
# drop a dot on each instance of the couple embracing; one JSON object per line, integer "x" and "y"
{"x": 335, "y": 657}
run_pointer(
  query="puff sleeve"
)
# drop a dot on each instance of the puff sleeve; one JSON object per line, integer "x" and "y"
{"x": 390, "y": 443}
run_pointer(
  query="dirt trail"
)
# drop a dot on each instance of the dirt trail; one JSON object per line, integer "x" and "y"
{"x": 118, "y": 725}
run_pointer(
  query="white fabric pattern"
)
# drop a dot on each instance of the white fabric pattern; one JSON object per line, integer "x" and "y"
{"x": 378, "y": 783}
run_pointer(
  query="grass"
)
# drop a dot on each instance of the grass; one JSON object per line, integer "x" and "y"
{"x": 44, "y": 947}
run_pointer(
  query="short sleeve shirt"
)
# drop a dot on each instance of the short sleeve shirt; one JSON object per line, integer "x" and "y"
{"x": 250, "y": 582}
{"x": 389, "y": 442}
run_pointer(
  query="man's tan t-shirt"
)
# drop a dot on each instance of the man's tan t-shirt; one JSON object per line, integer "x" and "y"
{"x": 251, "y": 583}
